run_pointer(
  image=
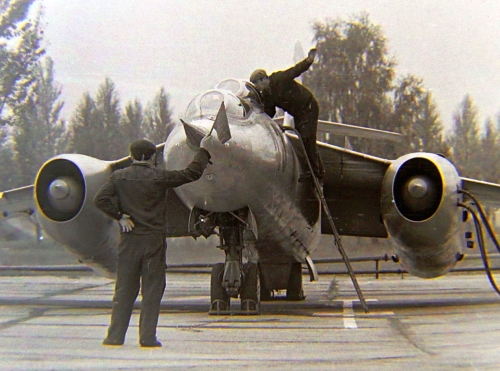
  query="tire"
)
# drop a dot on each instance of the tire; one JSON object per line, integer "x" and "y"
{"x": 219, "y": 300}
{"x": 294, "y": 289}
{"x": 250, "y": 290}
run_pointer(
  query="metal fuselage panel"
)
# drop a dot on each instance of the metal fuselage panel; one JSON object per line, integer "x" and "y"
{"x": 258, "y": 168}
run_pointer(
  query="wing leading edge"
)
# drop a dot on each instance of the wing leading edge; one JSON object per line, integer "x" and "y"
{"x": 486, "y": 192}
{"x": 345, "y": 130}
{"x": 17, "y": 202}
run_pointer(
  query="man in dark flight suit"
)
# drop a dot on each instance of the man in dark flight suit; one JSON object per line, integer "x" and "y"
{"x": 136, "y": 198}
{"x": 281, "y": 90}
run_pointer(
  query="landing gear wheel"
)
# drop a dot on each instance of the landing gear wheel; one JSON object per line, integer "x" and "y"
{"x": 294, "y": 290}
{"x": 250, "y": 290}
{"x": 219, "y": 300}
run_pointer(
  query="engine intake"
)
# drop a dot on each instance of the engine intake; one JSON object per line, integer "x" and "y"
{"x": 60, "y": 190}
{"x": 64, "y": 192}
{"x": 418, "y": 189}
{"x": 420, "y": 212}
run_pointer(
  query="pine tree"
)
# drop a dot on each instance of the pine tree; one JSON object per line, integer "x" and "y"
{"x": 132, "y": 122}
{"x": 95, "y": 127}
{"x": 111, "y": 145}
{"x": 158, "y": 123}
{"x": 464, "y": 139}
{"x": 84, "y": 127}
{"x": 407, "y": 98}
{"x": 489, "y": 157}
{"x": 430, "y": 130}
{"x": 415, "y": 116}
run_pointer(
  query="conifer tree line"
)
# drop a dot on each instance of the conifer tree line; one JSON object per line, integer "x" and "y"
{"x": 32, "y": 129}
{"x": 353, "y": 78}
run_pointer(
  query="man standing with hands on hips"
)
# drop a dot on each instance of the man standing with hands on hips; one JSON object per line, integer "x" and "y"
{"x": 281, "y": 90}
{"x": 136, "y": 198}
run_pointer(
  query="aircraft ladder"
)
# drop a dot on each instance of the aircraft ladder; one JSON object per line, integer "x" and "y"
{"x": 336, "y": 235}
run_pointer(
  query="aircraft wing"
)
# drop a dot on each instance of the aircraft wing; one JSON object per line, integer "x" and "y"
{"x": 345, "y": 130}
{"x": 337, "y": 128}
{"x": 488, "y": 193}
{"x": 17, "y": 202}
{"x": 352, "y": 189}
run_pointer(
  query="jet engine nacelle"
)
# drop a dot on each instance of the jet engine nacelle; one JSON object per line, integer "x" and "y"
{"x": 420, "y": 212}
{"x": 65, "y": 188}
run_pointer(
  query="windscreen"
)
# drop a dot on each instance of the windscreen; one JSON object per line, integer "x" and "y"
{"x": 207, "y": 105}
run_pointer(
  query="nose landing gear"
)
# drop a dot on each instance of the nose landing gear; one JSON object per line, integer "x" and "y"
{"x": 233, "y": 278}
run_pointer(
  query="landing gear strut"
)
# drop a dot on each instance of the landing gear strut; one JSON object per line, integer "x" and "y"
{"x": 233, "y": 278}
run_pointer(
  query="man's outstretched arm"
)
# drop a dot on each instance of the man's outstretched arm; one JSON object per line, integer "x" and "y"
{"x": 192, "y": 172}
{"x": 301, "y": 67}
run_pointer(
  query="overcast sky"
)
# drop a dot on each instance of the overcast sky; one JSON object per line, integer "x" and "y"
{"x": 187, "y": 46}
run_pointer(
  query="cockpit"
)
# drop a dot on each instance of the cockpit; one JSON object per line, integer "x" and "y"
{"x": 238, "y": 96}
{"x": 242, "y": 89}
{"x": 208, "y": 104}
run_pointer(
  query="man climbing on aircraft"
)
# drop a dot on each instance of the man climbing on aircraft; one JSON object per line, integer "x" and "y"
{"x": 135, "y": 197}
{"x": 281, "y": 90}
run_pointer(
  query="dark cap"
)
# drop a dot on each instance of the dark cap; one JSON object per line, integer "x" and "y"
{"x": 142, "y": 149}
{"x": 257, "y": 75}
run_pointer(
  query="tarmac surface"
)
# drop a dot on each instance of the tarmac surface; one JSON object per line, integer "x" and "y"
{"x": 58, "y": 321}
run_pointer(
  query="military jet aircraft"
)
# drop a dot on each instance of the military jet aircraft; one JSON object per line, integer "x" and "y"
{"x": 267, "y": 221}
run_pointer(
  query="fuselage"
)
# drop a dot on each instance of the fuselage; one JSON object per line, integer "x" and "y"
{"x": 257, "y": 168}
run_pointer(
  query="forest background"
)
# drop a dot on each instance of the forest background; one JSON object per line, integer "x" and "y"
{"x": 354, "y": 79}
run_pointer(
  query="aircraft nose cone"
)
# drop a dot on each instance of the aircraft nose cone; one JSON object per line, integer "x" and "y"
{"x": 59, "y": 189}
{"x": 417, "y": 187}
